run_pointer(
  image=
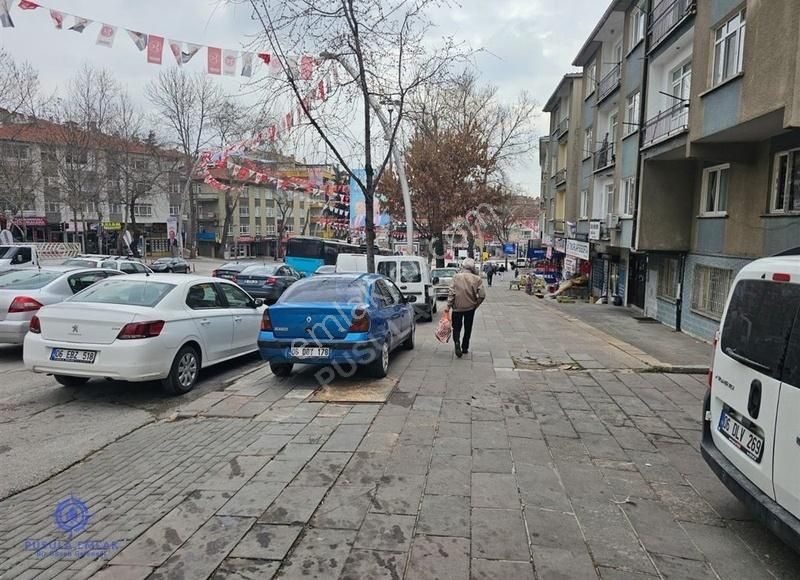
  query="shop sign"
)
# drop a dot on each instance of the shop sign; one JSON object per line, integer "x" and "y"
{"x": 113, "y": 226}
{"x": 547, "y": 239}
{"x": 509, "y": 249}
{"x": 560, "y": 245}
{"x": 570, "y": 266}
{"x": 244, "y": 239}
{"x": 207, "y": 236}
{"x": 30, "y": 221}
{"x": 594, "y": 230}
{"x": 578, "y": 249}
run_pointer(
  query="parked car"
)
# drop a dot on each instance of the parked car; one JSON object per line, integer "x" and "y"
{"x": 349, "y": 319}
{"x": 750, "y": 432}
{"x": 144, "y": 327}
{"x": 230, "y": 270}
{"x": 326, "y": 269}
{"x": 19, "y": 256}
{"x": 23, "y": 292}
{"x": 169, "y": 265}
{"x": 442, "y": 278}
{"x": 124, "y": 265}
{"x": 267, "y": 281}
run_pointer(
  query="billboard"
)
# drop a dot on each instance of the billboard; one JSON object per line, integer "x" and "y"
{"x": 358, "y": 206}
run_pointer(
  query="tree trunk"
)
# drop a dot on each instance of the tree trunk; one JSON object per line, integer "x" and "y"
{"x": 191, "y": 227}
{"x": 369, "y": 221}
{"x": 470, "y": 242}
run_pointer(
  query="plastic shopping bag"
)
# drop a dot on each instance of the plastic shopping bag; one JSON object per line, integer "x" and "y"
{"x": 445, "y": 328}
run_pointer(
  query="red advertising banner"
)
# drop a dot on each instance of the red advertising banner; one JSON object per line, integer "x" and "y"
{"x": 214, "y": 60}
{"x": 155, "y": 48}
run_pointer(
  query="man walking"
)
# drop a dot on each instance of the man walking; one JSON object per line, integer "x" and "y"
{"x": 489, "y": 270}
{"x": 465, "y": 295}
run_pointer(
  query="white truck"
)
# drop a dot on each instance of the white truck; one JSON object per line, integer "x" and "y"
{"x": 31, "y": 255}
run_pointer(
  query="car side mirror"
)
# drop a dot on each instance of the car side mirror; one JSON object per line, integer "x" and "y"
{"x": 258, "y": 302}
{"x": 435, "y": 280}
{"x": 411, "y": 298}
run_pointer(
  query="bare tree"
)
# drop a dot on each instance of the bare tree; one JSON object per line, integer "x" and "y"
{"x": 382, "y": 48}
{"x": 284, "y": 204}
{"x": 185, "y": 105}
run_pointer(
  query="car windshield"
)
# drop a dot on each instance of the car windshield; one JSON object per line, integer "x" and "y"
{"x": 260, "y": 270}
{"x": 27, "y": 279}
{"x": 163, "y": 261}
{"x": 444, "y": 272}
{"x": 127, "y": 291}
{"x": 234, "y": 267}
{"x": 80, "y": 262}
{"x": 344, "y": 289}
{"x": 7, "y": 251}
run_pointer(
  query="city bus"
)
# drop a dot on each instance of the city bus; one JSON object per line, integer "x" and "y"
{"x": 305, "y": 254}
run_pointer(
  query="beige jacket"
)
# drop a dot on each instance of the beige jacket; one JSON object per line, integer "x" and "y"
{"x": 466, "y": 292}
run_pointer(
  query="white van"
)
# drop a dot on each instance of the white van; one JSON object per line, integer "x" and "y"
{"x": 412, "y": 274}
{"x": 751, "y": 437}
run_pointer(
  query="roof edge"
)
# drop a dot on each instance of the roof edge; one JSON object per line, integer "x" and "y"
{"x": 588, "y": 48}
{"x": 551, "y": 101}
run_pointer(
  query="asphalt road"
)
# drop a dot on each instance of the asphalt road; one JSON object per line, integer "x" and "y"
{"x": 45, "y": 427}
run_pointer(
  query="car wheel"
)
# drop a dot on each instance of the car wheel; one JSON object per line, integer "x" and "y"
{"x": 408, "y": 343}
{"x": 184, "y": 372}
{"x": 70, "y": 381}
{"x": 281, "y": 369}
{"x": 380, "y": 366}
{"x": 169, "y": 270}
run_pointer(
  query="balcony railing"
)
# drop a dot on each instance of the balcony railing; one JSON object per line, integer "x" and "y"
{"x": 604, "y": 157}
{"x": 558, "y": 225}
{"x": 667, "y": 14}
{"x": 609, "y": 83}
{"x": 561, "y": 176}
{"x": 666, "y": 124}
{"x": 207, "y": 216}
{"x": 562, "y": 128}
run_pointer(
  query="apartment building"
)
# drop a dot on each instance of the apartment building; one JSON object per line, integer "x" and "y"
{"x": 711, "y": 158}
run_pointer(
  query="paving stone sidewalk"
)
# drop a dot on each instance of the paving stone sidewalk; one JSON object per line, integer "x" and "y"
{"x": 473, "y": 468}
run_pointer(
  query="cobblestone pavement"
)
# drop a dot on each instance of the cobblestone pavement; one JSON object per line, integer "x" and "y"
{"x": 544, "y": 453}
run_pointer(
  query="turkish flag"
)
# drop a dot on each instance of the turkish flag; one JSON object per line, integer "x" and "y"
{"x": 27, "y": 5}
{"x": 155, "y": 48}
{"x": 214, "y": 61}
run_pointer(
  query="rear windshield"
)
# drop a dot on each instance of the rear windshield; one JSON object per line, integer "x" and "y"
{"x": 444, "y": 273}
{"x": 125, "y": 291}
{"x": 80, "y": 263}
{"x": 304, "y": 248}
{"x": 333, "y": 289}
{"x": 758, "y": 323}
{"x": 27, "y": 279}
{"x": 260, "y": 270}
{"x": 110, "y": 265}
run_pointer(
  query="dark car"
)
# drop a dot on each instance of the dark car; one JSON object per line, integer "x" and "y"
{"x": 267, "y": 281}
{"x": 230, "y": 270}
{"x": 171, "y": 265}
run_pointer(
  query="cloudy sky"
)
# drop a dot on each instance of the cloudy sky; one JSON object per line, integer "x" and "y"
{"x": 528, "y": 44}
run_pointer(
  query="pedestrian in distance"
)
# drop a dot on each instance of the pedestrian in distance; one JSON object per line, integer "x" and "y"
{"x": 465, "y": 295}
{"x": 489, "y": 269}
{"x": 500, "y": 271}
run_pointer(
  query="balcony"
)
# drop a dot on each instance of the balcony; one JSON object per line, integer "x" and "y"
{"x": 666, "y": 16}
{"x": 558, "y": 225}
{"x": 609, "y": 83}
{"x": 207, "y": 196}
{"x": 666, "y": 124}
{"x": 604, "y": 157}
{"x": 206, "y": 216}
{"x": 560, "y": 176}
{"x": 562, "y": 128}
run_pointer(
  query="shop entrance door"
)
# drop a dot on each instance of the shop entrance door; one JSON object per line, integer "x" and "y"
{"x": 637, "y": 280}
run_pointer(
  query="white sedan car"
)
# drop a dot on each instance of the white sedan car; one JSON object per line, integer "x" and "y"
{"x": 144, "y": 327}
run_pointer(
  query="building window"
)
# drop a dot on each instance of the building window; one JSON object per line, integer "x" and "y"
{"x": 786, "y": 186}
{"x": 632, "y": 113}
{"x": 245, "y": 193}
{"x": 638, "y": 20}
{"x": 258, "y": 211}
{"x": 244, "y": 228}
{"x": 302, "y": 220}
{"x": 143, "y": 210}
{"x": 588, "y": 143}
{"x": 270, "y": 212}
{"x": 589, "y": 79}
{"x": 628, "y": 197}
{"x": 174, "y": 188}
{"x": 258, "y": 230}
{"x": 53, "y": 207}
{"x": 584, "y": 204}
{"x": 608, "y": 202}
{"x": 89, "y": 208}
{"x": 269, "y": 229}
{"x": 710, "y": 290}
{"x": 668, "y": 280}
{"x": 289, "y": 228}
{"x": 174, "y": 210}
{"x": 244, "y": 211}
{"x": 612, "y": 128}
{"x": 115, "y": 208}
{"x": 715, "y": 191}
{"x": 729, "y": 48}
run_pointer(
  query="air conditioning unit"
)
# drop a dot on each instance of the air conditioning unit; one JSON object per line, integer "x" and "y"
{"x": 612, "y": 221}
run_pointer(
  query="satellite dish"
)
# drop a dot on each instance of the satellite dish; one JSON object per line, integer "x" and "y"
{"x": 6, "y": 237}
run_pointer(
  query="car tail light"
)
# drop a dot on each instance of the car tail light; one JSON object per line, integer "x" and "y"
{"x": 713, "y": 354}
{"x": 35, "y": 326}
{"x": 266, "y": 323}
{"x": 778, "y": 277}
{"x": 214, "y": 274}
{"x": 136, "y": 330}
{"x": 269, "y": 281}
{"x": 360, "y": 321}
{"x": 234, "y": 279}
{"x": 24, "y": 304}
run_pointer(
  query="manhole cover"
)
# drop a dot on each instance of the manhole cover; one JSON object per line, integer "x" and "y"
{"x": 355, "y": 391}
{"x": 544, "y": 364}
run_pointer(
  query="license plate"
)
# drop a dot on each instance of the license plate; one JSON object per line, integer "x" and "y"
{"x": 748, "y": 442}
{"x": 310, "y": 352}
{"x": 69, "y": 355}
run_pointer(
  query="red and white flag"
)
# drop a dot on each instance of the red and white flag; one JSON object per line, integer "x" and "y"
{"x": 58, "y": 19}
{"x": 247, "y": 64}
{"x": 183, "y": 52}
{"x": 106, "y": 35}
{"x": 155, "y": 48}
{"x": 27, "y": 5}
{"x": 229, "y": 58}
{"x": 80, "y": 24}
{"x": 214, "y": 60}
{"x": 138, "y": 38}
{"x": 306, "y": 67}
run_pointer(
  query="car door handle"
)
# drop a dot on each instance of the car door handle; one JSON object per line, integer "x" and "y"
{"x": 237, "y": 318}
{"x": 403, "y": 287}
{"x": 205, "y": 322}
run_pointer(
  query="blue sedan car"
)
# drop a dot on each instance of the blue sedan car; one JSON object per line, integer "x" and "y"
{"x": 341, "y": 320}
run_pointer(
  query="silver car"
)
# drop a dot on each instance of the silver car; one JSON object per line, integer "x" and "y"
{"x": 445, "y": 277}
{"x": 24, "y": 291}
